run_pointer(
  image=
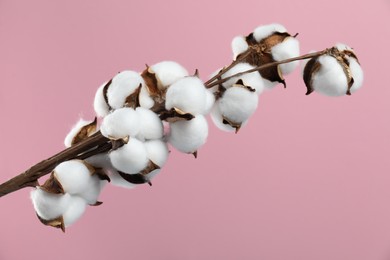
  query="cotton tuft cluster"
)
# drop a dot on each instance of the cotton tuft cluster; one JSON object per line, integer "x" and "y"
{"x": 268, "y": 43}
{"x": 140, "y": 113}
{"x": 337, "y": 73}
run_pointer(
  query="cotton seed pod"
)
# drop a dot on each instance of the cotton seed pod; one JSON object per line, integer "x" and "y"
{"x": 252, "y": 80}
{"x": 74, "y": 176}
{"x": 157, "y": 151}
{"x": 131, "y": 158}
{"x": 235, "y": 107}
{"x": 188, "y": 136}
{"x": 187, "y": 94}
{"x": 80, "y": 131}
{"x": 150, "y": 125}
{"x": 100, "y": 103}
{"x": 121, "y": 123}
{"x": 269, "y": 43}
{"x": 75, "y": 210}
{"x": 336, "y": 73}
{"x": 124, "y": 90}
{"x": 49, "y": 206}
{"x": 117, "y": 180}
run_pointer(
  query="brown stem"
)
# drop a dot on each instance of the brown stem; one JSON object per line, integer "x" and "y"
{"x": 29, "y": 177}
{"x": 211, "y": 83}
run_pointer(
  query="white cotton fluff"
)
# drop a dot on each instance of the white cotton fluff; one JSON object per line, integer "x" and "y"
{"x": 99, "y": 161}
{"x": 99, "y": 104}
{"x": 144, "y": 98}
{"x": 152, "y": 174}
{"x": 118, "y": 181}
{"x": 264, "y": 31}
{"x": 210, "y": 100}
{"x": 131, "y": 158}
{"x": 187, "y": 94}
{"x": 188, "y": 136}
{"x": 238, "y": 104}
{"x": 74, "y": 211}
{"x": 168, "y": 72}
{"x": 287, "y": 49}
{"x": 150, "y": 125}
{"x": 216, "y": 116}
{"x": 253, "y": 79}
{"x": 121, "y": 123}
{"x": 357, "y": 74}
{"x": 330, "y": 80}
{"x": 49, "y": 206}
{"x": 343, "y": 47}
{"x": 157, "y": 151}
{"x": 123, "y": 85}
{"x": 73, "y": 175}
{"x": 239, "y": 45}
{"x": 92, "y": 191}
{"x": 74, "y": 131}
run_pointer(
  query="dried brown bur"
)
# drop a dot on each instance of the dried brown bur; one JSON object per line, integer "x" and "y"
{"x": 132, "y": 100}
{"x": 260, "y": 54}
{"x": 154, "y": 87}
{"x": 52, "y": 185}
{"x": 85, "y": 132}
{"x": 175, "y": 114}
{"x": 56, "y": 223}
{"x": 313, "y": 66}
{"x": 141, "y": 177}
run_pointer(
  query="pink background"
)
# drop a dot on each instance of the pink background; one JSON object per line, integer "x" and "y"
{"x": 307, "y": 178}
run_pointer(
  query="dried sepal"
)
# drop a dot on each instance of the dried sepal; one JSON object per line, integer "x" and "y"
{"x": 52, "y": 185}
{"x": 311, "y": 68}
{"x": 133, "y": 99}
{"x": 175, "y": 114}
{"x": 105, "y": 91}
{"x": 149, "y": 168}
{"x": 102, "y": 174}
{"x": 240, "y": 84}
{"x": 151, "y": 81}
{"x": 235, "y": 125}
{"x": 97, "y": 203}
{"x": 133, "y": 178}
{"x": 85, "y": 132}
{"x": 118, "y": 142}
{"x": 56, "y": 223}
{"x": 195, "y": 154}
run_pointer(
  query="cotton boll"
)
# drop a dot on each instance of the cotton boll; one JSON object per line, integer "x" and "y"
{"x": 217, "y": 118}
{"x": 287, "y": 49}
{"x": 151, "y": 126}
{"x": 188, "y": 136}
{"x": 100, "y": 105}
{"x": 264, "y": 31}
{"x": 253, "y": 79}
{"x": 187, "y": 94}
{"x": 131, "y": 158}
{"x": 238, "y": 104}
{"x": 49, "y": 206}
{"x": 210, "y": 100}
{"x": 74, "y": 211}
{"x": 75, "y": 131}
{"x": 73, "y": 175}
{"x": 357, "y": 74}
{"x": 121, "y": 123}
{"x": 330, "y": 80}
{"x": 117, "y": 180}
{"x": 92, "y": 191}
{"x": 123, "y": 85}
{"x": 239, "y": 45}
{"x": 157, "y": 151}
{"x": 144, "y": 98}
{"x": 168, "y": 72}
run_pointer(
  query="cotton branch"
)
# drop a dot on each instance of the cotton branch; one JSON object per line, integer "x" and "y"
{"x": 97, "y": 143}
